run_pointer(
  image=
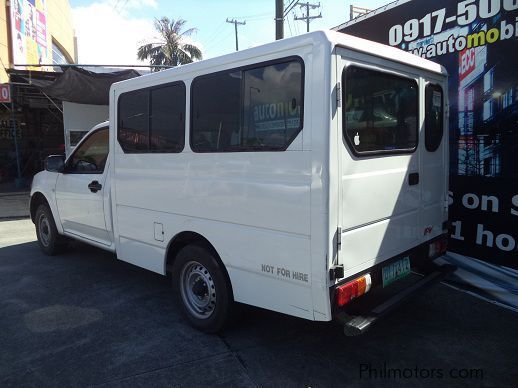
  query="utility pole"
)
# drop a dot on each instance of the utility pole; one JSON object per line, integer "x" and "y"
{"x": 279, "y": 19}
{"x": 306, "y": 17}
{"x": 280, "y": 14}
{"x": 18, "y": 181}
{"x": 235, "y": 22}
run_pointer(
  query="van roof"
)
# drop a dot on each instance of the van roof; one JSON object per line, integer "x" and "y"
{"x": 383, "y": 51}
{"x": 324, "y": 37}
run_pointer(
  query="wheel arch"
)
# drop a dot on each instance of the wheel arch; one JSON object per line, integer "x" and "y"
{"x": 37, "y": 199}
{"x": 185, "y": 238}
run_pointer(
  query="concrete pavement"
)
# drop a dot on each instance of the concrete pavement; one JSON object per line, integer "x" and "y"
{"x": 85, "y": 319}
{"x": 14, "y": 232}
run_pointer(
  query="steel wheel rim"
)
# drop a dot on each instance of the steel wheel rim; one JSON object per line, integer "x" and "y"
{"x": 198, "y": 290}
{"x": 44, "y": 228}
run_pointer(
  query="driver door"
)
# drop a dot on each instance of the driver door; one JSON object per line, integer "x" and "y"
{"x": 80, "y": 189}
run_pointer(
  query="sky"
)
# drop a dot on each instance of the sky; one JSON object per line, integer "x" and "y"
{"x": 110, "y": 31}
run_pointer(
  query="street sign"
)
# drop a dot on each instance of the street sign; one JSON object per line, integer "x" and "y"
{"x": 5, "y": 93}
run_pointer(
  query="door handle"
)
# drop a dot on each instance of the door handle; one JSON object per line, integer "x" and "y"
{"x": 95, "y": 186}
{"x": 413, "y": 178}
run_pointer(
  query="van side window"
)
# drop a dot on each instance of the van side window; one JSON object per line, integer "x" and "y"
{"x": 152, "y": 119}
{"x": 256, "y": 108}
{"x": 380, "y": 114}
{"x": 433, "y": 127}
{"x": 167, "y": 119}
{"x": 216, "y": 111}
{"x": 133, "y": 128}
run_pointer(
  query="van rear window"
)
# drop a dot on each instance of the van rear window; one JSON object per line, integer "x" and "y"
{"x": 381, "y": 113}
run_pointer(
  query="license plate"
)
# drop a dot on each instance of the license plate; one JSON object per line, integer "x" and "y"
{"x": 395, "y": 271}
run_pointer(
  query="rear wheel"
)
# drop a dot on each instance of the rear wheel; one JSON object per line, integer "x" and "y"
{"x": 202, "y": 289}
{"x": 49, "y": 240}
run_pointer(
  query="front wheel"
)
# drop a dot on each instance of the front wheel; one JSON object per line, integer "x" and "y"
{"x": 49, "y": 240}
{"x": 202, "y": 289}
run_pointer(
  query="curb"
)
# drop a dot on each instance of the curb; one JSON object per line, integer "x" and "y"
{"x": 14, "y": 218}
{"x": 15, "y": 193}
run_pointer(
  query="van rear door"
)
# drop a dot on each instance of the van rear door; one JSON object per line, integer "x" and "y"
{"x": 380, "y": 188}
{"x": 433, "y": 159}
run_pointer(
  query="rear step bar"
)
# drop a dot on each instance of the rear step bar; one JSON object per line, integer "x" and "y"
{"x": 356, "y": 325}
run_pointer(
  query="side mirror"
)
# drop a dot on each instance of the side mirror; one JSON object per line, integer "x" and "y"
{"x": 55, "y": 163}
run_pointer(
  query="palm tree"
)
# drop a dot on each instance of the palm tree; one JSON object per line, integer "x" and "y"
{"x": 172, "y": 50}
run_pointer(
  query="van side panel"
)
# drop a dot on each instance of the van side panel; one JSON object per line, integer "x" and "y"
{"x": 323, "y": 108}
{"x": 253, "y": 207}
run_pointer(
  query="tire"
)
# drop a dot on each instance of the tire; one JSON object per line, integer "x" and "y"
{"x": 202, "y": 289}
{"x": 49, "y": 240}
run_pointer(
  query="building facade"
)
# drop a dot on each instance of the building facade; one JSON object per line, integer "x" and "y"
{"x": 35, "y": 31}
{"x": 38, "y": 33}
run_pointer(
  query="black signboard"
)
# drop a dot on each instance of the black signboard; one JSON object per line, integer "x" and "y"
{"x": 477, "y": 42}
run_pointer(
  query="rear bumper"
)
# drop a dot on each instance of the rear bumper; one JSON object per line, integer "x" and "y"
{"x": 360, "y": 313}
{"x": 418, "y": 258}
{"x": 358, "y": 322}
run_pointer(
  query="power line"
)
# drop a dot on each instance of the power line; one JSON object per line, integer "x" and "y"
{"x": 222, "y": 40}
{"x": 217, "y": 32}
{"x": 289, "y": 26}
{"x": 307, "y": 17}
{"x": 115, "y": 5}
{"x": 252, "y": 16}
{"x": 295, "y": 25}
{"x": 236, "y": 23}
{"x": 121, "y": 8}
{"x": 259, "y": 18}
{"x": 289, "y": 7}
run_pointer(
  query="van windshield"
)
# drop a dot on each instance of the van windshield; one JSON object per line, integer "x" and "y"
{"x": 380, "y": 112}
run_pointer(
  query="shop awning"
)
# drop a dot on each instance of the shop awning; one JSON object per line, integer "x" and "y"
{"x": 73, "y": 84}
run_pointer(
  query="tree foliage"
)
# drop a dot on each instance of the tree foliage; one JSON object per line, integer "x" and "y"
{"x": 172, "y": 49}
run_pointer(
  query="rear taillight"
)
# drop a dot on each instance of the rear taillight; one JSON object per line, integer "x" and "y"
{"x": 347, "y": 292}
{"x": 438, "y": 247}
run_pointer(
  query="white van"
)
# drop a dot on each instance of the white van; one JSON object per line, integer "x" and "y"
{"x": 295, "y": 176}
